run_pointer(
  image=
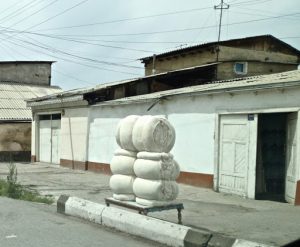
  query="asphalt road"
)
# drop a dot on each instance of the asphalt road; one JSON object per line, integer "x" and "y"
{"x": 35, "y": 225}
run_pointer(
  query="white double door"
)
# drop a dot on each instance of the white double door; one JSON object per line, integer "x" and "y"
{"x": 49, "y": 140}
{"x": 237, "y": 155}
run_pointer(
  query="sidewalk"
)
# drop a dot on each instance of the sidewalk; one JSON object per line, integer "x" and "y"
{"x": 260, "y": 221}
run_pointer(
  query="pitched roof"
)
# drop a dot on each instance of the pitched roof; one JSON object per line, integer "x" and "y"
{"x": 13, "y": 96}
{"x": 224, "y": 42}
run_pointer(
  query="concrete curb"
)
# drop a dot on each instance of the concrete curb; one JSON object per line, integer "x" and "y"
{"x": 157, "y": 230}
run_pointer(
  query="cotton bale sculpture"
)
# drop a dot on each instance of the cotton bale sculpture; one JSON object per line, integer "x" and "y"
{"x": 143, "y": 169}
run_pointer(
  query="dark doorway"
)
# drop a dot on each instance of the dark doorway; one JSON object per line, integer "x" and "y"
{"x": 271, "y": 157}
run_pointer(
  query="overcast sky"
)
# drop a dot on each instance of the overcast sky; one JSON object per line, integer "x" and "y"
{"x": 98, "y": 41}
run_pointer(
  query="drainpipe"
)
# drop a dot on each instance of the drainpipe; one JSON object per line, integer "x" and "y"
{"x": 153, "y": 64}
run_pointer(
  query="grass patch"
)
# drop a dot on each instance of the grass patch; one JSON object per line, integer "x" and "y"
{"x": 12, "y": 189}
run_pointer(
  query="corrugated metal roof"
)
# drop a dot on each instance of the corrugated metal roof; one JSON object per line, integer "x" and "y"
{"x": 255, "y": 82}
{"x": 57, "y": 100}
{"x": 13, "y": 96}
{"x": 270, "y": 80}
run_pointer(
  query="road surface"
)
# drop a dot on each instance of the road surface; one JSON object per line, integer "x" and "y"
{"x": 35, "y": 225}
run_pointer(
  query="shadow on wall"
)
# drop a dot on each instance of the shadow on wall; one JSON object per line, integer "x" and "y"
{"x": 15, "y": 142}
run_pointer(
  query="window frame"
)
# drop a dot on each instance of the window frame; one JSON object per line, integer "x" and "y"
{"x": 245, "y": 68}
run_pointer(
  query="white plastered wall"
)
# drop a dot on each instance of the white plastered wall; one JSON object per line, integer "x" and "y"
{"x": 88, "y": 134}
{"x": 74, "y": 131}
{"x": 194, "y": 119}
{"x": 191, "y": 127}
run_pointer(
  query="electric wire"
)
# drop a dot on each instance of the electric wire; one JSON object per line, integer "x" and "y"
{"x": 146, "y": 17}
{"x": 18, "y": 11}
{"x": 66, "y": 59}
{"x": 34, "y": 13}
{"x": 11, "y": 6}
{"x": 50, "y": 18}
{"x": 59, "y": 14}
{"x": 55, "y": 50}
{"x": 168, "y": 31}
{"x": 74, "y": 78}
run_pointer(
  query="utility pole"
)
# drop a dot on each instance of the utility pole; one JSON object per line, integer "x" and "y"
{"x": 221, "y": 6}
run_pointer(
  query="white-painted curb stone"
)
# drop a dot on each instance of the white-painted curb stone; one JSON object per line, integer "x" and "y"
{"x": 143, "y": 226}
{"x": 84, "y": 209}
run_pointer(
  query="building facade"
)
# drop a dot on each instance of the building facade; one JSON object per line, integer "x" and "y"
{"x": 20, "y": 80}
{"x": 239, "y": 136}
{"x": 236, "y": 58}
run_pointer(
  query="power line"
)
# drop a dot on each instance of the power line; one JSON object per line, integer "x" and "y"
{"x": 74, "y": 40}
{"x": 59, "y": 14}
{"x": 127, "y": 19}
{"x": 251, "y": 2}
{"x": 11, "y": 6}
{"x": 256, "y": 13}
{"x": 166, "y": 31}
{"x": 130, "y": 42}
{"x": 52, "y": 17}
{"x": 18, "y": 11}
{"x": 54, "y": 50}
{"x": 71, "y": 61}
{"x": 43, "y": 46}
{"x": 39, "y": 10}
{"x": 143, "y": 17}
{"x": 72, "y": 77}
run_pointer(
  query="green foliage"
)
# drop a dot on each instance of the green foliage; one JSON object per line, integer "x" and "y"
{"x": 11, "y": 188}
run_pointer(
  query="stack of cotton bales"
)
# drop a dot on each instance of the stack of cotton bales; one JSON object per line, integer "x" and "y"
{"x": 155, "y": 167}
{"x": 121, "y": 182}
{"x": 144, "y": 169}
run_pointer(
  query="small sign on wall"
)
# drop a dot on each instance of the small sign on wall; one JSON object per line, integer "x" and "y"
{"x": 250, "y": 117}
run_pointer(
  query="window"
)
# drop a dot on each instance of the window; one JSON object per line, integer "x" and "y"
{"x": 240, "y": 68}
{"x": 49, "y": 117}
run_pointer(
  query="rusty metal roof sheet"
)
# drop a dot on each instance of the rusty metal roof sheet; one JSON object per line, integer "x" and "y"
{"x": 259, "y": 82}
{"x": 81, "y": 91}
{"x": 13, "y": 96}
{"x": 278, "y": 80}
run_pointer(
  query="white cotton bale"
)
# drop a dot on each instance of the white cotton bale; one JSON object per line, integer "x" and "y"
{"x": 125, "y": 152}
{"x": 124, "y": 132}
{"x": 118, "y": 134}
{"x": 137, "y": 132}
{"x": 122, "y": 162}
{"x": 121, "y": 184}
{"x": 124, "y": 197}
{"x": 153, "y": 134}
{"x": 154, "y": 156}
{"x": 159, "y": 190}
{"x": 156, "y": 169}
{"x": 151, "y": 203}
